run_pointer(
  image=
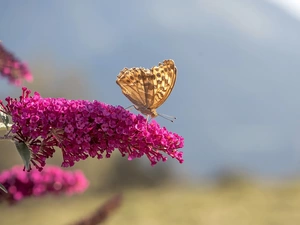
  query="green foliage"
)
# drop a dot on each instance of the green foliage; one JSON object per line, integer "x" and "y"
{"x": 5, "y": 119}
{"x": 3, "y": 188}
{"x": 24, "y": 152}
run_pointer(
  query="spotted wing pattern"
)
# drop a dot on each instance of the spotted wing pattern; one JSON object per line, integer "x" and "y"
{"x": 148, "y": 89}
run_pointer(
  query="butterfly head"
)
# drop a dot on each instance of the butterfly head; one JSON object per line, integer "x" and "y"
{"x": 152, "y": 113}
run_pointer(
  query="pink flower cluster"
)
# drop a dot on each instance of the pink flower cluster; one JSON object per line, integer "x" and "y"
{"x": 12, "y": 68}
{"x": 52, "y": 180}
{"x": 82, "y": 128}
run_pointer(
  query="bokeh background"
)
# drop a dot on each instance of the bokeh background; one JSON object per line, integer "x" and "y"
{"x": 236, "y": 101}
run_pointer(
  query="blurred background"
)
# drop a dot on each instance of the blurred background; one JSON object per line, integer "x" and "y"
{"x": 236, "y": 101}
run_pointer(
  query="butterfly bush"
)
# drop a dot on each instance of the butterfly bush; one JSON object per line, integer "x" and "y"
{"x": 12, "y": 68}
{"x": 52, "y": 180}
{"x": 82, "y": 128}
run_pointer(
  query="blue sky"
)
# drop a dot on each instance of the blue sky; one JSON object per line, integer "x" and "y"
{"x": 237, "y": 94}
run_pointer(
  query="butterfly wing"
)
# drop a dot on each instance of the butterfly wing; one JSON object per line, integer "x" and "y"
{"x": 164, "y": 78}
{"x": 132, "y": 85}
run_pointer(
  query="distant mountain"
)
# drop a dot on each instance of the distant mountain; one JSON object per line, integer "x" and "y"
{"x": 237, "y": 94}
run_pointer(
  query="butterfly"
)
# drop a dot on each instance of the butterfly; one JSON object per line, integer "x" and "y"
{"x": 148, "y": 89}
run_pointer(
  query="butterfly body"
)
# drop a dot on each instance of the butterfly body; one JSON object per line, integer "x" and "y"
{"x": 146, "y": 111}
{"x": 148, "y": 89}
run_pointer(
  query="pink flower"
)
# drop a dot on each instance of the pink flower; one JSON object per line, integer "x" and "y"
{"x": 52, "y": 180}
{"x": 82, "y": 128}
{"x": 12, "y": 68}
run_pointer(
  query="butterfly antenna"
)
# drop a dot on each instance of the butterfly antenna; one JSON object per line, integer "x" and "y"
{"x": 167, "y": 117}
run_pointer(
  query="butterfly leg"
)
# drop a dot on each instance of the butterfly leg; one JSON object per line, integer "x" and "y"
{"x": 130, "y": 107}
{"x": 147, "y": 121}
